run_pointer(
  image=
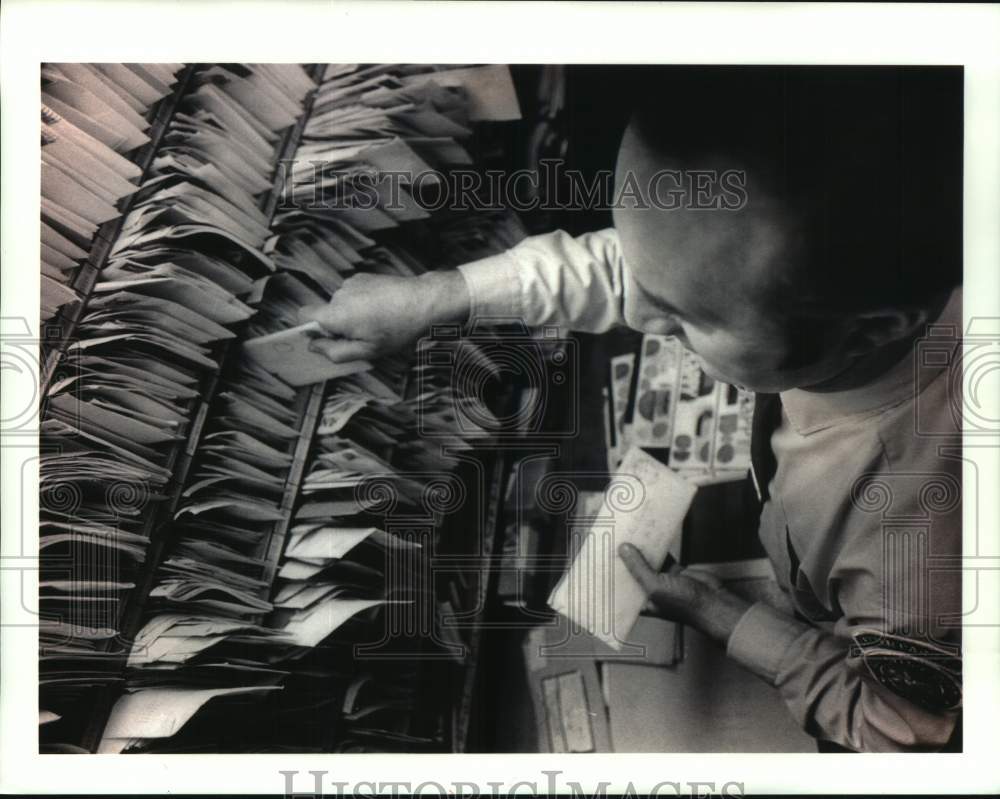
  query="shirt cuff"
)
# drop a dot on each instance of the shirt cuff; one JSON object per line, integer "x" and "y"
{"x": 761, "y": 639}
{"x": 494, "y": 285}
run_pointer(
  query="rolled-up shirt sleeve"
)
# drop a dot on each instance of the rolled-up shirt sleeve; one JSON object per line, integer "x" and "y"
{"x": 826, "y": 681}
{"x": 553, "y": 279}
{"x": 863, "y": 526}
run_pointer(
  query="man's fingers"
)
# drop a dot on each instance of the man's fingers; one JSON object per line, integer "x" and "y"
{"x": 648, "y": 578}
{"x": 312, "y": 313}
{"x": 326, "y": 314}
{"x": 703, "y": 576}
{"x": 342, "y": 350}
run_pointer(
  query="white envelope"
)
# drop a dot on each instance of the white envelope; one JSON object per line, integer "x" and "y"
{"x": 646, "y": 505}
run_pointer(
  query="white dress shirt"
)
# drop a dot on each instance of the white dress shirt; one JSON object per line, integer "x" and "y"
{"x": 553, "y": 279}
{"x": 863, "y": 522}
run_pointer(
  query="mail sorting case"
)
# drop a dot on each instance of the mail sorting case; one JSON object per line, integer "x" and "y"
{"x": 231, "y": 562}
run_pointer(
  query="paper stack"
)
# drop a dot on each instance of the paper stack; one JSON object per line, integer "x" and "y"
{"x": 122, "y": 402}
{"x": 234, "y": 645}
{"x": 92, "y": 114}
{"x": 350, "y": 581}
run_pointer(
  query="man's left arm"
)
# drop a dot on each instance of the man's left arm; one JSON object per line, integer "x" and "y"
{"x": 855, "y": 686}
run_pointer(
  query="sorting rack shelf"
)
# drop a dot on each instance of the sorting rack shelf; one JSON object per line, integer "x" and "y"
{"x": 307, "y": 430}
{"x": 61, "y": 329}
{"x": 456, "y": 695}
{"x": 462, "y": 707}
{"x": 181, "y": 457}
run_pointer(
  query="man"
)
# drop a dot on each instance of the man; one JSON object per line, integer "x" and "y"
{"x": 811, "y": 286}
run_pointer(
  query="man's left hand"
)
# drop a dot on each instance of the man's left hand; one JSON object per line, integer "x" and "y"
{"x": 691, "y": 596}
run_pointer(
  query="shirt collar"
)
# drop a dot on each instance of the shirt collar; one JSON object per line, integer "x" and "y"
{"x": 810, "y": 411}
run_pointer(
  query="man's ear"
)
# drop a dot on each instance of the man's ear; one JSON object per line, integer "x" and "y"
{"x": 872, "y": 330}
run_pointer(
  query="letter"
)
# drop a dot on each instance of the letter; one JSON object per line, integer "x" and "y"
{"x": 284, "y": 179}
{"x": 442, "y": 195}
{"x": 733, "y": 186}
{"x": 464, "y": 183}
{"x": 630, "y": 188}
{"x": 394, "y": 179}
{"x": 365, "y": 197}
{"x": 674, "y": 195}
{"x": 700, "y": 183}
{"x": 495, "y": 178}
{"x": 551, "y": 776}
{"x": 318, "y": 191}
{"x": 372, "y": 792}
{"x": 317, "y": 785}
{"x": 698, "y": 784}
{"x": 599, "y": 791}
{"x": 510, "y": 190}
{"x": 591, "y": 197}
{"x": 550, "y": 169}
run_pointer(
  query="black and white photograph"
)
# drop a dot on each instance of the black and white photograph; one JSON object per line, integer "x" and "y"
{"x": 555, "y": 408}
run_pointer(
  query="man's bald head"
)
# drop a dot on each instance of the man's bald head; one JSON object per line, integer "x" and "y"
{"x": 848, "y": 227}
{"x": 862, "y": 164}
{"x": 692, "y": 215}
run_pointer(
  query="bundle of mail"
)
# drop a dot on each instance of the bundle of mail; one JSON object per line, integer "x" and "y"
{"x": 92, "y": 115}
{"x": 174, "y": 289}
{"x": 280, "y": 558}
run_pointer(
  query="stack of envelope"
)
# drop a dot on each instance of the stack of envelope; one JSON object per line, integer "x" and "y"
{"x": 231, "y": 640}
{"x": 353, "y": 569}
{"x": 172, "y": 292}
{"x": 349, "y": 570}
{"x": 99, "y": 467}
{"x": 92, "y": 115}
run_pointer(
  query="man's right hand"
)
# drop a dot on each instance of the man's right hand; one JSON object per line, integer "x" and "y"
{"x": 374, "y": 315}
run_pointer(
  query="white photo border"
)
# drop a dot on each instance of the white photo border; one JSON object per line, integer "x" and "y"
{"x": 306, "y": 32}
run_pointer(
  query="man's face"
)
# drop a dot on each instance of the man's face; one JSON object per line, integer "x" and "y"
{"x": 702, "y": 275}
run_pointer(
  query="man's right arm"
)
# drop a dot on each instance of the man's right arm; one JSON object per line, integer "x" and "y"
{"x": 552, "y": 279}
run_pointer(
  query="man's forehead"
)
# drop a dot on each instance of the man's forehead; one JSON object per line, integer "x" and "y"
{"x": 704, "y": 259}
